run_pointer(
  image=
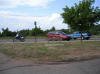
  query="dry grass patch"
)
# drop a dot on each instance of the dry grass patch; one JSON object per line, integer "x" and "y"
{"x": 53, "y": 51}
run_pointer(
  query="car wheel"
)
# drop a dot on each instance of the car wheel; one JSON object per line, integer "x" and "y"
{"x": 68, "y": 39}
{"x": 87, "y": 38}
{"x": 74, "y": 38}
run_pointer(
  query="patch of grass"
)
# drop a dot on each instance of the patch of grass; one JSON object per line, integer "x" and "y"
{"x": 27, "y": 55}
{"x": 7, "y": 52}
{"x": 32, "y": 37}
{"x": 96, "y": 36}
{"x": 52, "y": 51}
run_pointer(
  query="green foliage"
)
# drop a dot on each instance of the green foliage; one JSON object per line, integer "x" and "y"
{"x": 95, "y": 30}
{"x": 24, "y": 32}
{"x": 6, "y": 32}
{"x": 46, "y": 31}
{"x": 82, "y": 16}
{"x": 66, "y": 31}
{"x": 36, "y": 31}
{"x": 52, "y": 29}
{"x": 0, "y": 34}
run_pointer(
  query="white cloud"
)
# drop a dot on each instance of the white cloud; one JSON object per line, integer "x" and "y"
{"x": 31, "y": 3}
{"x": 55, "y": 16}
{"x": 22, "y": 21}
{"x": 8, "y": 13}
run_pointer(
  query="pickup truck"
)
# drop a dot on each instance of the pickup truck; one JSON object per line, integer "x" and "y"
{"x": 77, "y": 34}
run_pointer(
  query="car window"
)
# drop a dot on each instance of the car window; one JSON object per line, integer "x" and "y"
{"x": 51, "y": 33}
{"x": 56, "y": 33}
{"x": 62, "y": 33}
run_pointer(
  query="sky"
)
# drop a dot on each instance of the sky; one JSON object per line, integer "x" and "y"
{"x": 21, "y": 14}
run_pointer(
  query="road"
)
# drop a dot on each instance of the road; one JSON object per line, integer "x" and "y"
{"x": 85, "y": 67}
{"x": 43, "y": 40}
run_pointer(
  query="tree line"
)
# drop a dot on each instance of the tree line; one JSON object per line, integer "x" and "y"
{"x": 25, "y": 32}
{"x": 39, "y": 32}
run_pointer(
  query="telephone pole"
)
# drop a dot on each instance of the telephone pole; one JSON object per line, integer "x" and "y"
{"x": 35, "y": 23}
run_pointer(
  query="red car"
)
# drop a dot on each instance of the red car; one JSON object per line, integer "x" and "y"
{"x": 58, "y": 35}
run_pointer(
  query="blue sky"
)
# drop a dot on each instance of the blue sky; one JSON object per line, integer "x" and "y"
{"x": 54, "y": 6}
{"x": 21, "y": 14}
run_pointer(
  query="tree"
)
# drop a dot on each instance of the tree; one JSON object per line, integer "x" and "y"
{"x": 95, "y": 30}
{"x": 36, "y": 31}
{"x": 0, "y": 34}
{"x": 46, "y": 31}
{"x": 82, "y": 16}
{"x": 6, "y": 32}
{"x": 52, "y": 29}
{"x": 24, "y": 32}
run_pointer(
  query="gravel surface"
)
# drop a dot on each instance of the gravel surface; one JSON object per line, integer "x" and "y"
{"x": 26, "y": 67}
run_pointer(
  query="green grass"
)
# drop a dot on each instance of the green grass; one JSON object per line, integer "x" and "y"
{"x": 6, "y": 37}
{"x": 96, "y": 36}
{"x": 52, "y": 51}
{"x": 27, "y": 37}
{"x": 32, "y": 37}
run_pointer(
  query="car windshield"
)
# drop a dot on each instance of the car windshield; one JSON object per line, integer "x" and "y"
{"x": 63, "y": 33}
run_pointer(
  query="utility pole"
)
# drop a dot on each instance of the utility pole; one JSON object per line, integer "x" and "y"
{"x": 35, "y": 23}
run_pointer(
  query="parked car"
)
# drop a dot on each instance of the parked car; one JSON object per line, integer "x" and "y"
{"x": 58, "y": 35}
{"x": 77, "y": 34}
